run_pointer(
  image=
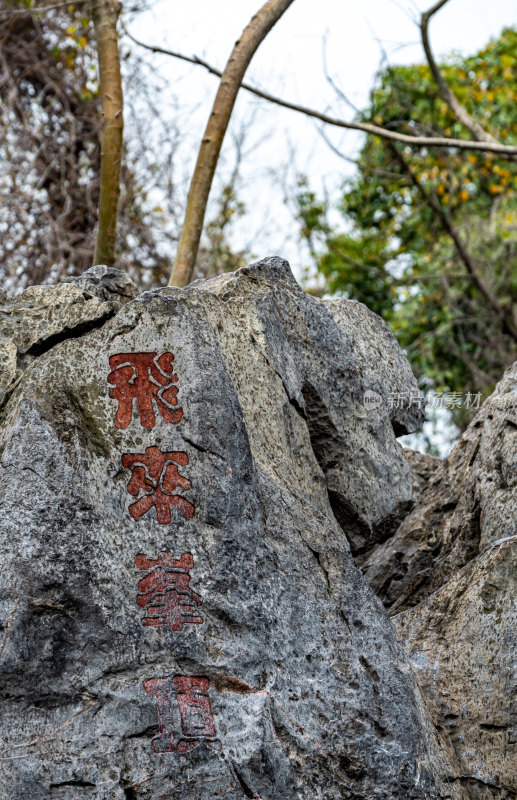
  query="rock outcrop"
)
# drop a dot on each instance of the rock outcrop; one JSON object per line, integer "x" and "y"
{"x": 183, "y": 478}
{"x": 461, "y": 642}
{"x": 449, "y": 577}
{"x": 106, "y": 283}
{"x": 469, "y": 502}
{"x": 41, "y": 316}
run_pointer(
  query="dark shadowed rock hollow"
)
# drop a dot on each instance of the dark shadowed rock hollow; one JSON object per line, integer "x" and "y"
{"x": 187, "y": 477}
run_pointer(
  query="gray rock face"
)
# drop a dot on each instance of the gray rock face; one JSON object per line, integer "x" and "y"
{"x": 37, "y": 319}
{"x": 381, "y": 361}
{"x": 106, "y": 283}
{"x": 451, "y": 569}
{"x": 182, "y": 616}
{"x": 469, "y": 503}
{"x": 461, "y": 643}
{"x": 424, "y": 466}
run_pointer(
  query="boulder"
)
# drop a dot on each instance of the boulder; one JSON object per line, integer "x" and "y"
{"x": 182, "y": 483}
{"x": 449, "y": 578}
{"x": 469, "y": 502}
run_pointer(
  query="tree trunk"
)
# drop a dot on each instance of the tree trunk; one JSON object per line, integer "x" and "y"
{"x": 105, "y": 14}
{"x": 210, "y": 147}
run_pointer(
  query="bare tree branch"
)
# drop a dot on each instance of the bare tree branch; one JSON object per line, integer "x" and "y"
{"x": 446, "y": 93}
{"x": 340, "y": 93}
{"x": 381, "y": 173}
{"x": 375, "y": 130}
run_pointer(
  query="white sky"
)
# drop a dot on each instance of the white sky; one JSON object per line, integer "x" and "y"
{"x": 289, "y": 63}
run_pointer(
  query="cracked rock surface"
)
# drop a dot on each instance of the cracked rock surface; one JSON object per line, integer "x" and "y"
{"x": 465, "y": 504}
{"x": 449, "y": 577}
{"x": 461, "y": 642}
{"x": 106, "y": 283}
{"x": 196, "y": 628}
{"x": 36, "y": 319}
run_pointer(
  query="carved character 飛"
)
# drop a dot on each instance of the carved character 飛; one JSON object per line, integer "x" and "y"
{"x": 144, "y": 378}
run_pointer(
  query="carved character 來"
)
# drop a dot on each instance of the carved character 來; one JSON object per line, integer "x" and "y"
{"x": 156, "y": 475}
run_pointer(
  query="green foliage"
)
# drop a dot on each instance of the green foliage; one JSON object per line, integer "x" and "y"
{"x": 393, "y": 252}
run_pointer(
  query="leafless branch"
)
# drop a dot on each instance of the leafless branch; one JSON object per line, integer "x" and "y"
{"x": 381, "y": 173}
{"x": 105, "y": 14}
{"x": 331, "y": 80}
{"x": 375, "y": 130}
{"x": 446, "y": 93}
{"x": 208, "y": 155}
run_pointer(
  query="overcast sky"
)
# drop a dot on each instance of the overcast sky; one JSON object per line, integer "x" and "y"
{"x": 290, "y": 63}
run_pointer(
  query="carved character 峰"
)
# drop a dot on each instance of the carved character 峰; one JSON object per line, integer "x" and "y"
{"x": 165, "y": 592}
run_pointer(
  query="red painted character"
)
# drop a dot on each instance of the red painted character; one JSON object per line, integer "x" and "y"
{"x": 195, "y": 713}
{"x": 142, "y": 377}
{"x": 197, "y": 722}
{"x": 166, "y": 591}
{"x": 159, "y": 689}
{"x": 156, "y": 474}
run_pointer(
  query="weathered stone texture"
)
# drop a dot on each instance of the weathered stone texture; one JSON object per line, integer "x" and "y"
{"x": 462, "y": 641}
{"x": 381, "y": 362}
{"x": 39, "y": 317}
{"x": 310, "y": 692}
{"x": 470, "y": 502}
{"x": 451, "y": 569}
{"x": 106, "y": 283}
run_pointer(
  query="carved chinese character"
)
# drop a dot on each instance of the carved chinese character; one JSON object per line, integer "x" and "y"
{"x": 144, "y": 378}
{"x": 156, "y": 475}
{"x": 160, "y": 690}
{"x": 195, "y": 713}
{"x": 197, "y": 723}
{"x": 166, "y": 591}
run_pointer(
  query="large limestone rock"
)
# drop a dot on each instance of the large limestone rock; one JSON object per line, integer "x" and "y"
{"x": 450, "y": 572}
{"x": 461, "y": 641}
{"x": 182, "y": 616}
{"x": 469, "y": 503}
